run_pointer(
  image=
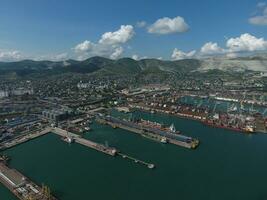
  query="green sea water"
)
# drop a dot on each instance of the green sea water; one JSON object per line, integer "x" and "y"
{"x": 226, "y": 166}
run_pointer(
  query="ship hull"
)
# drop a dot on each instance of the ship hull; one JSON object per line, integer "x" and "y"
{"x": 226, "y": 127}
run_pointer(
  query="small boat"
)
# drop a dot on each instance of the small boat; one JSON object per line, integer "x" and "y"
{"x": 163, "y": 140}
{"x": 151, "y": 166}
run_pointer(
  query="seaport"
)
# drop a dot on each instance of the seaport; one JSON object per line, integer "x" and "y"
{"x": 89, "y": 164}
{"x": 133, "y": 100}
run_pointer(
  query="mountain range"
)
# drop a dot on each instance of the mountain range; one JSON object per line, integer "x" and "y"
{"x": 128, "y": 66}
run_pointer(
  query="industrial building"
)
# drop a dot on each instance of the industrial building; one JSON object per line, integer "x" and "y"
{"x": 55, "y": 115}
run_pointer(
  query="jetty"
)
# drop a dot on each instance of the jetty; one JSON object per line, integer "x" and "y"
{"x": 20, "y": 139}
{"x": 21, "y": 186}
{"x": 149, "y": 132}
{"x": 70, "y": 137}
{"x": 149, "y": 165}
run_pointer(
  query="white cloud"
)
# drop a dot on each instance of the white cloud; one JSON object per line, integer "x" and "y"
{"x": 117, "y": 53}
{"x": 111, "y": 51}
{"x": 121, "y": 36}
{"x": 84, "y": 46}
{"x": 211, "y": 48}
{"x": 135, "y": 57}
{"x": 242, "y": 44}
{"x": 60, "y": 57}
{"x": 246, "y": 43}
{"x": 180, "y": 55}
{"x": 141, "y": 24}
{"x": 167, "y": 26}
{"x": 109, "y": 45}
{"x": 260, "y": 19}
{"x": 13, "y": 55}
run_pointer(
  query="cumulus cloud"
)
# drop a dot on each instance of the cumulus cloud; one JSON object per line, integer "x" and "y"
{"x": 97, "y": 49}
{"x": 246, "y": 43}
{"x": 61, "y": 56}
{"x": 180, "y": 55}
{"x": 167, "y": 26}
{"x": 13, "y": 55}
{"x": 135, "y": 57}
{"x": 260, "y": 19}
{"x": 141, "y": 24}
{"x": 123, "y": 35}
{"x": 117, "y": 53}
{"x": 211, "y": 48}
{"x": 235, "y": 46}
{"x": 109, "y": 45}
{"x": 84, "y": 46}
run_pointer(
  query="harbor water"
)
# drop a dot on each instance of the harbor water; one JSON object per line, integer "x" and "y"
{"x": 226, "y": 165}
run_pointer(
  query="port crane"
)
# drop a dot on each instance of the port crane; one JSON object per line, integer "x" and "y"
{"x": 264, "y": 112}
{"x": 215, "y": 106}
{"x": 199, "y": 104}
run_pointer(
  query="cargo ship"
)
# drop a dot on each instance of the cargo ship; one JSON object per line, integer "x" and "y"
{"x": 246, "y": 129}
{"x": 163, "y": 127}
{"x": 151, "y": 130}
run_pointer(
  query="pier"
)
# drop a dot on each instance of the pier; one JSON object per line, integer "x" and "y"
{"x": 153, "y": 134}
{"x": 23, "y": 138}
{"x": 99, "y": 147}
{"x": 25, "y": 189}
{"x": 149, "y": 165}
{"x": 85, "y": 142}
{"x": 70, "y": 137}
{"x": 21, "y": 186}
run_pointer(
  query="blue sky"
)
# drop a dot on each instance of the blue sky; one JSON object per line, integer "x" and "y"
{"x": 53, "y": 29}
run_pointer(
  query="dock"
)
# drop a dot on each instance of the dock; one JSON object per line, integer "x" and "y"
{"x": 99, "y": 147}
{"x": 70, "y": 137}
{"x": 158, "y": 135}
{"x": 23, "y": 138}
{"x": 85, "y": 142}
{"x": 25, "y": 189}
{"x": 21, "y": 186}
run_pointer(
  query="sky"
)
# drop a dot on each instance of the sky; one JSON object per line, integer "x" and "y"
{"x": 163, "y": 29}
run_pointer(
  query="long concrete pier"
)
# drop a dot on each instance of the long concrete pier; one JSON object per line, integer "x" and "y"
{"x": 70, "y": 137}
{"x": 25, "y": 189}
{"x": 88, "y": 143}
{"x": 99, "y": 147}
{"x": 147, "y": 133}
{"x": 23, "y": 138}
{"x": 21, "y": 186}
{"x": 149, "y": 165}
